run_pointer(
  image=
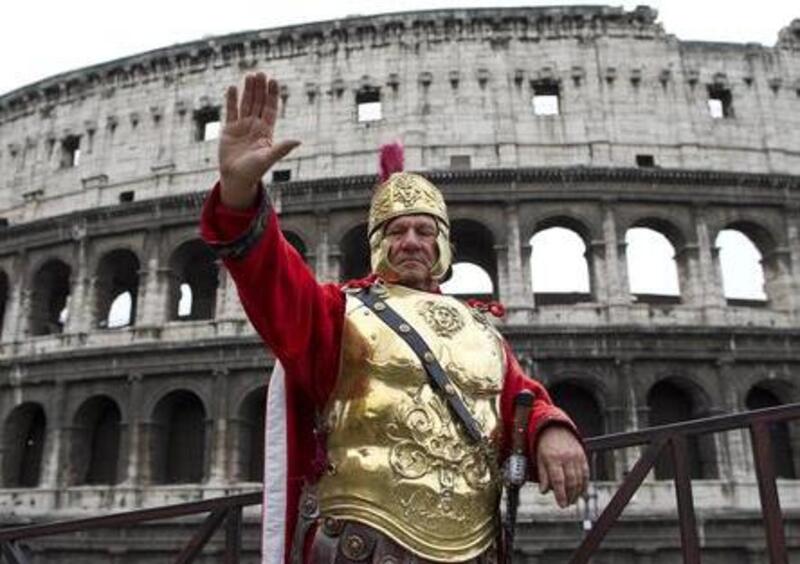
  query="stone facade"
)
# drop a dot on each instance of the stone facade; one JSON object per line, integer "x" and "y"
{"x": 103, "y": 172}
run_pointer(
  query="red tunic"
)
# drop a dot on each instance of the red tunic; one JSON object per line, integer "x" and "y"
{"x": 301, "y": 322}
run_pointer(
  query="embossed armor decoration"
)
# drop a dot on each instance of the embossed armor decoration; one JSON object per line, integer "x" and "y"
{"x": 399, "y": 461}
{"x": 406, "y": 193}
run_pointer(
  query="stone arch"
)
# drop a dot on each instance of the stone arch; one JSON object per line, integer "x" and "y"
{"x": 50, "y": 292}
{"x": 673, "y": 400}
{"x": 743, "y": 249}
{"x": 250, "y": 435}
{"x": 651, "y": 249}
{"x": 178, "y": 439}
{"x": 666, "y": 227}
{"x": 355, "y": 253}
{"x": 117, "y": 282}
{"x": 763, "y": 237}
{"x": 297, "y": 242}
{"x": 24, "y": 435}
{"x": 468, "y": 280}
{"x": 193, "y": 282}
{"x": 474, "y": 244}
{"x": 561, "y": 272}
{"x": 578, "y": 399}
{"x": 785, "y": 437}
{"x": 95, "y": 444}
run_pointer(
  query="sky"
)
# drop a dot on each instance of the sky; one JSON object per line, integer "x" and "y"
{"x": 41, "y": 38}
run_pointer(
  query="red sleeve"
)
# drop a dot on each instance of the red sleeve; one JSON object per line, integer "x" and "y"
{"x": 292, "y": 313}
{"x": 543, "y": 414}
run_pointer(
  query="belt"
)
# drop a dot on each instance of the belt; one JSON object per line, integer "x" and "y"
{"x": 348, "y": 542}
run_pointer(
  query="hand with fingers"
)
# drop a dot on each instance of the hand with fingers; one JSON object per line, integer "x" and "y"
{"x": 562, "y": 466}
{"x": 247, "y": 148}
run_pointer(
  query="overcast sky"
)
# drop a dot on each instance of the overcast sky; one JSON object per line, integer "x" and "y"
{"x": 43, "y": 38}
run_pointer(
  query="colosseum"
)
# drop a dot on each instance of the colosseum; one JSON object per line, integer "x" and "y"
{"x": 131, "y": 378}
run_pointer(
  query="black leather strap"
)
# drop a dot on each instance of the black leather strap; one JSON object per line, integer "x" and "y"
{"x": 437, "y": 377}
{"x": 240, "y": 246}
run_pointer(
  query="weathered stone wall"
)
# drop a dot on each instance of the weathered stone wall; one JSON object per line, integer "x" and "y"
{"x": 452, "y": 83}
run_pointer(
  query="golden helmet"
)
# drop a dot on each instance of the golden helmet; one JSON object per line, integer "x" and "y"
{"x": 406, "y": 193}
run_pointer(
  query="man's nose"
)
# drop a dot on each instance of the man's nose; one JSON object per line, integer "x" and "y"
{"x": 410, "y": 239}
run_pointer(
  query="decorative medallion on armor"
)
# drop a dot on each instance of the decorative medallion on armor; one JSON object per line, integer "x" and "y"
{"x": 399, "y": 460}
{"x": 444, "y": 319}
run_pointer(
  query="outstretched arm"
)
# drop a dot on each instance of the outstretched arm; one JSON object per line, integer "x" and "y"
{"x": 293, "y": 314}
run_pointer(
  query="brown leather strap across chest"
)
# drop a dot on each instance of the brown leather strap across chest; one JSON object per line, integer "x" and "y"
{"x": 437, "y": 377}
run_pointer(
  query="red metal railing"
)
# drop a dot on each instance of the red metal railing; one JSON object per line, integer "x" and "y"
{"x": 672, "y": 438}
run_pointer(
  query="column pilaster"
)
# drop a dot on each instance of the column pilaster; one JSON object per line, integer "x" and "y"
{"x": 136, "y": 459}
{"x": 616, "y": 273}
{"x": 713, "y": 299}
{"x": 79, "y": 320}
{"x": 733, "y": 448}
{"x": 513, "y": 292}
{"x": 13, "y": 322}
{"x": 218, "y": 462}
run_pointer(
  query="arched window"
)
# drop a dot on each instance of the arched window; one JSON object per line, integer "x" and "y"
{"x": 49, "y": 298}
{"x": 185, "y": 301}
{"x": 251, "y": 436}
{"x": 95, "y": 442}
{"x": 178, "y": 439}
{"x": 652, "y": 271}
{"x": 583, "y": 409}
{"x": 759, "y": 397}
{"x": 474, "y": 246}
{"x": 469, "y": 280}
{"x": 195, "y": 277}
{"x": 671, "y": 403}
{"x": 740, "y": 262}
{"x": 559, "y": 271}
{"x": 355, "y": 254}
{"x": 117, "y": 289}
{"x": 23, "y": 438}
{"x": 120, "y": 314}
{"x": 297, "y": 243}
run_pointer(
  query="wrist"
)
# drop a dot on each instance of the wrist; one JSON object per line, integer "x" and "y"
{"x": 238, "y": 195}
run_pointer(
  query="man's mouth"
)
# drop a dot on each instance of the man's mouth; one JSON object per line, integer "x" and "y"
{"x": 406, "y": 260}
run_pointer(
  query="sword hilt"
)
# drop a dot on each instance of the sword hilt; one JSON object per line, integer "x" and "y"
{"x": 517, "y": 465}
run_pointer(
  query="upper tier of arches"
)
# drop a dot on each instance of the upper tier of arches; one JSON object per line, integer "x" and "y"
{"x": 681, "y": 263}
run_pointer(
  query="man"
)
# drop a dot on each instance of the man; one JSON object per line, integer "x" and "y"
{"x": 392, "y": 464}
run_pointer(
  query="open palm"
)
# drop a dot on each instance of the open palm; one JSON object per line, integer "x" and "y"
{"x": 247, "y": 148}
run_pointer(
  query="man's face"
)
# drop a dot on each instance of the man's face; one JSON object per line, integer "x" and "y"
{"x": 413, "y": 250}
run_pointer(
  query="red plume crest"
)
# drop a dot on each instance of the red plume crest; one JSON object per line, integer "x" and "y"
{"x": 391, "y": 160}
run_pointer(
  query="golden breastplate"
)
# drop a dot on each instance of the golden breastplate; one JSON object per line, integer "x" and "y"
{"x": 399, "y": 461}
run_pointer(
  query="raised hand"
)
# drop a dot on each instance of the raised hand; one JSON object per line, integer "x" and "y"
{"x": 247, "y": 148}
{"x": 562, "y": 465}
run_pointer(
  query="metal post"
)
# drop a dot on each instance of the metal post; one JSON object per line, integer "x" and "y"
{"x": 233, "y": 536}
{"x": 770, "y": 505}
{"x": 683, "y": 490}
{"x": 610, "y": 514}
